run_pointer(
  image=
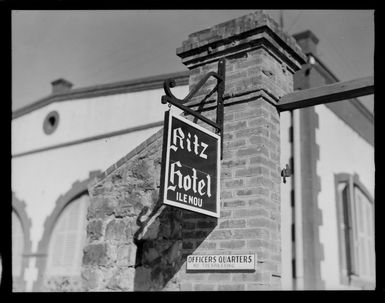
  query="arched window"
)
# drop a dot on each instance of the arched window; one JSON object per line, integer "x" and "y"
{"x": 17, "y": 245}
{"x": 65, "y": 250}
{"x": 63, "y": 239}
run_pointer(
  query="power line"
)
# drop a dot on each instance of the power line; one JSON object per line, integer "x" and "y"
{"x": 281, "y": 24}
{"x": 342, "y": 58}
{"x": 295, "y": 21}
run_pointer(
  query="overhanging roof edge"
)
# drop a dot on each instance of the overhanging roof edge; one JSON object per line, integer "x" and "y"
{"x": 140, "y": 84}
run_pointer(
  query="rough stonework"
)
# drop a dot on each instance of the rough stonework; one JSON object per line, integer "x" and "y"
{"x": 136, "y": 244}
{"x": 118, "y": 204}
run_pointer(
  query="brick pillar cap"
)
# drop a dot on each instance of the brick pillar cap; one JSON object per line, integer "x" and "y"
{"x": 232, "y": 36}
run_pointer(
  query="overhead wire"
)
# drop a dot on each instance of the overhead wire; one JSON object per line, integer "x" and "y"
{"x": 294, "y": 21}
{"x": 342, "y": 58}
{"x": 347, "y": 66}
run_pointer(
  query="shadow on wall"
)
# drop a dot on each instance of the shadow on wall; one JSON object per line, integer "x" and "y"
{"x": 134, "y": 242}
{"x": 163, "y": 247}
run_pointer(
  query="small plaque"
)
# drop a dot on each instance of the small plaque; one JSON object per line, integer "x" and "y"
{"x": 221, "y": 262}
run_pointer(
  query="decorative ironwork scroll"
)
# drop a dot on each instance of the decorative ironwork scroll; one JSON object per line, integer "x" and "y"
{"x": 220, "y": 88}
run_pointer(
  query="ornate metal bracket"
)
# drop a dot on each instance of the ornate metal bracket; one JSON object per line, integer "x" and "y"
{"x": 220, "y": 88}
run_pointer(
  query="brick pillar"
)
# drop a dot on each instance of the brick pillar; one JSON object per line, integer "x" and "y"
{"x": 260, "y": 63}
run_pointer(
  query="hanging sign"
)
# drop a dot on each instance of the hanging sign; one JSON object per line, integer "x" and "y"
{"x": 221, "y": 262}
{"x": 190, "y": 171}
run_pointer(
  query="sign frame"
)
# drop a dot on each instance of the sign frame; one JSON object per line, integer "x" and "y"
{"x": 214, "y": 264}
{"x": 166, "y": 160}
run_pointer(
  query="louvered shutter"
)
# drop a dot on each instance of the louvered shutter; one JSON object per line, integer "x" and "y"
{"x": 370, "y": 239}
{"x": 17, "y": 245}
{"x": 55, "y": 251}
{"x": 353, "y": 218}
{"x": 70, "y": 239}
{"x": 76, "y": 236}
{"x": 67, "y": 240}
{"x": 344, "y": 227}
{"x": 365, "y": 234}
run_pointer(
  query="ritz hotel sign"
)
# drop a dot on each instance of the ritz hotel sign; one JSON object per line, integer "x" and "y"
{"x": 191, "y": 166}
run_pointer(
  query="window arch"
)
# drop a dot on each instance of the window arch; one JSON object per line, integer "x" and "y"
{"x": 77, "y": 193}
{"x": 18, "y": 239}
{"x": 355, "y": 217}
{"x": 21, "y": 242}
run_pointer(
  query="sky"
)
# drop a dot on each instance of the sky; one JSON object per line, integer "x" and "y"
{"x": 98, "y": 47}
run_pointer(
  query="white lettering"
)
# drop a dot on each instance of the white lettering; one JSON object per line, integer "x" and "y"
{"x": 175, "y": 138}
{"x": 194, "y": 177}
{"x": 201, "y": 185}
{"x": 196, "y": 144}
{"x": 208, "y": 185}
{"x": 203, "y": 155}
{"x": 187, "y": 182}
{"x": 172, "y": 173}
{"x": 178, "y": 138}
{"x": 195, "y": 201}
{"x": 188, "y": 142}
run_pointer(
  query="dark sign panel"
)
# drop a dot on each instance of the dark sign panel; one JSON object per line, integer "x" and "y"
{"x": 190, "y": 166}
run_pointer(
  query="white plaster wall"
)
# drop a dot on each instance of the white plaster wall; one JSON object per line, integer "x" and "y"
{"x": 286, "y": 212}
{"x": 39, "y": 179}
{"x": 341, "y": 150}
{"x": 82, "y": 118}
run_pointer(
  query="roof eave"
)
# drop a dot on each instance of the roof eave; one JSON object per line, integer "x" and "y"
{"x": 141, "y": 84}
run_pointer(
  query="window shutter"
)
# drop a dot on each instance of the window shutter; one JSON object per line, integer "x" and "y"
{"x": 67, "y": 240}
{"x": 353, "y": 215}
{"x": 76, "y": 235}
{"x": 70, "y": 240}
{"x": 342, "y": 190}
{"x": 369, "y": 240}
{"x": 363, "y": 256}
{"x": 56, "y": 246}
{"x": 366, "y": 235}
{"x": 372, "y": 255}
{"x": 356, "y": 231}
{"x": 83, "y": 229}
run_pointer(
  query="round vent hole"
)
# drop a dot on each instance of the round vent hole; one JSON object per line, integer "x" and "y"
{"x": 51, "y": 122}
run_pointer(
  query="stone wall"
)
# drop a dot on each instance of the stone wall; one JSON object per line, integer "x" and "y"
{"x": 120, "y": 200}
